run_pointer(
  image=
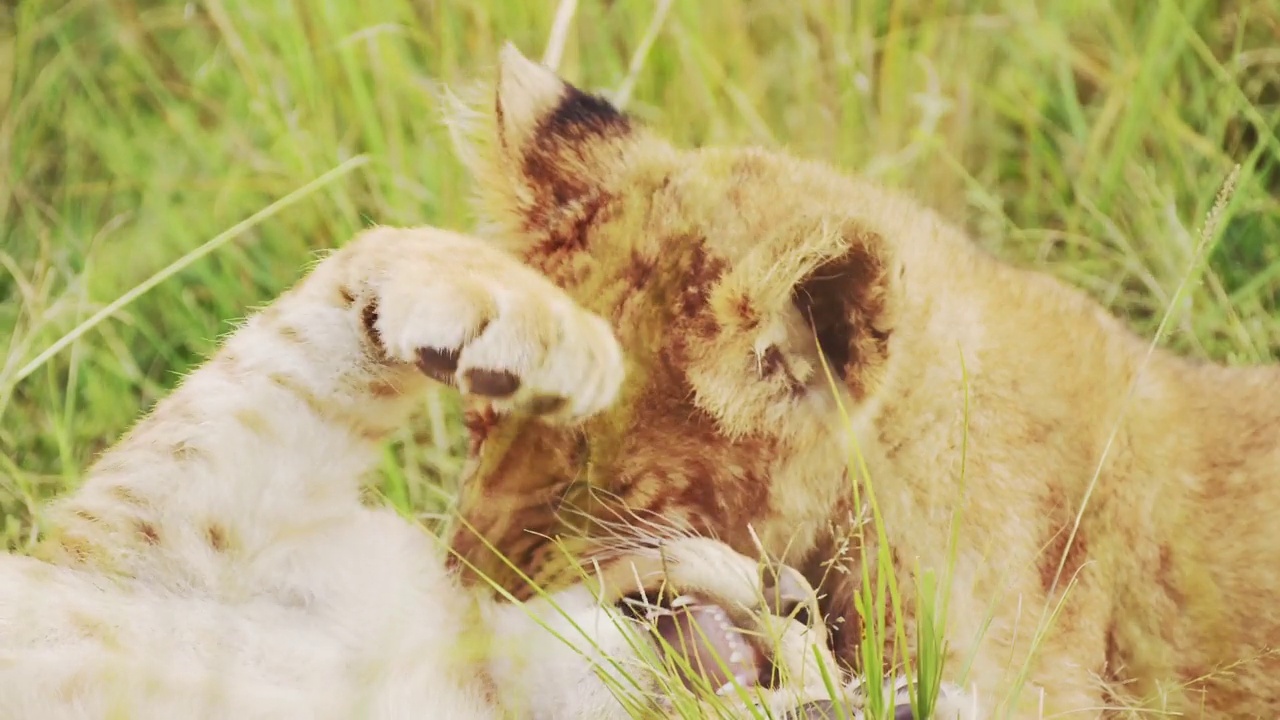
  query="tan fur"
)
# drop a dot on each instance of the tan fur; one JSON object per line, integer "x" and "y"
{"x": 732, "y": 275}
{"x": 218, "y": 562}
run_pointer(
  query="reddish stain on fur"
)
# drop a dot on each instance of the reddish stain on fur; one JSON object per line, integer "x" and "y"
{"x": 147, "y": 531}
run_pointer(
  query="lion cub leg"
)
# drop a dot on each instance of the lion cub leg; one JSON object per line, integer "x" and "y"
{"x": 264, "y": 446}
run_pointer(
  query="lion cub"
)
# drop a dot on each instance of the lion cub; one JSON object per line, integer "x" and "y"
{"x": 218, "y": 562}
{"x": 993, "y": 408}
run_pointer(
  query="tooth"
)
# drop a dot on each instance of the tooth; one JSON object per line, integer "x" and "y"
{"x": 682, "y": 601}
{"x": 735, "y": 657}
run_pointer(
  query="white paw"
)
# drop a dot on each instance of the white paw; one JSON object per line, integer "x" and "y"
{"x": 492, "y": 327}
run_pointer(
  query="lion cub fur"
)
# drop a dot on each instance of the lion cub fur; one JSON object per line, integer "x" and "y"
{"x": 737, "y": 278}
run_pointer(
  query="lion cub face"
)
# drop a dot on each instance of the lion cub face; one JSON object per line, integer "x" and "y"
{"x": 751, "y": 306}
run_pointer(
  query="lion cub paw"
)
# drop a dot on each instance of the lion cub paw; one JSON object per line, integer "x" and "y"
{"x": 472, "y": 316}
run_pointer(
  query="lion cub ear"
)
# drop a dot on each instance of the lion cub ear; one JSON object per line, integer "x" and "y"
{"x": 850, "y": 301}
{"x": 557, "y": 144}
{"x": 818, "y": 291}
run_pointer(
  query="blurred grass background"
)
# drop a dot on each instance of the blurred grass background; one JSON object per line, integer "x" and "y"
{"x": 1084, "y": 137}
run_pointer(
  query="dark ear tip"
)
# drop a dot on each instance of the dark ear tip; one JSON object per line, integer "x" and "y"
{"x": 550, "y": 129}
{"x": 581, "y": 114}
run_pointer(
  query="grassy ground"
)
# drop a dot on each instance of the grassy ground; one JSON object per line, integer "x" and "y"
{"x": 1081, "y": 136}
{"x": 1084, "y": 137}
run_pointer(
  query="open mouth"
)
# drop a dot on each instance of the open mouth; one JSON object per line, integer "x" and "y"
{"x": 700, "y": 641}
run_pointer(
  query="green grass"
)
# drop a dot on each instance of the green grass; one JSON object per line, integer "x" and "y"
{"x": 1083, "y": 137}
